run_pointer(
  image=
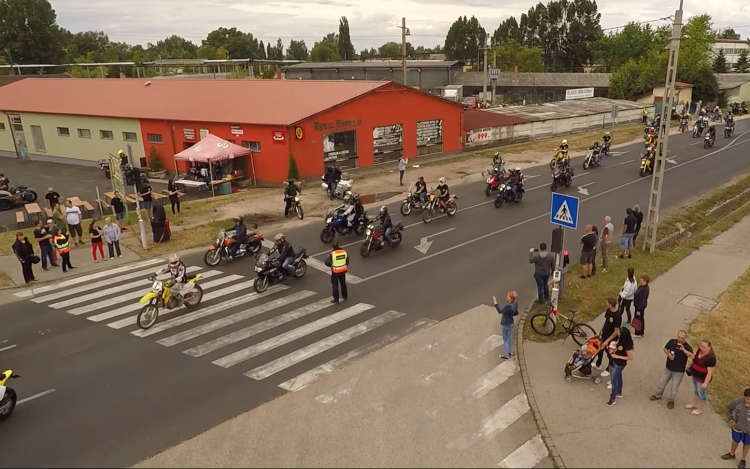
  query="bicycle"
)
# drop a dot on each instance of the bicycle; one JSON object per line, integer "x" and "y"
{"x": 544, "y": 324}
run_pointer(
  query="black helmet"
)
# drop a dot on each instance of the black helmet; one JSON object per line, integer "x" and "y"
{"x": 238, "y": 219}
{"x": 421, "y": 178}
{"x": 291, "y": 181}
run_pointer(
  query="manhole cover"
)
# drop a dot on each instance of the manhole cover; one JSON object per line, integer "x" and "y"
{"x": 699, "y": 302}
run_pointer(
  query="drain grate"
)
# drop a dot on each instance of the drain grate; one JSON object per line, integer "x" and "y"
{"x": 699, "y": 302}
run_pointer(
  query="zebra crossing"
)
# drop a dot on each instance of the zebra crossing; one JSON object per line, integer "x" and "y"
{"x": 234, "y": 326}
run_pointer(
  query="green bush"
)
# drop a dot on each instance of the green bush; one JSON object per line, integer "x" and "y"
{"x": 293, "y": 172}
{"x": 154, "y": 160}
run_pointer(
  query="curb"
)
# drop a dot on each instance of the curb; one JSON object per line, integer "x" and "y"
{"x": 553, "y": 453}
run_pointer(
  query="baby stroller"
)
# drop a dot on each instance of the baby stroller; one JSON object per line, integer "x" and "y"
{"x": 580, "y": 364}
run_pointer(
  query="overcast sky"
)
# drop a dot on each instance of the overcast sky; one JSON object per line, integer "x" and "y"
{"x": 372, "y": 23}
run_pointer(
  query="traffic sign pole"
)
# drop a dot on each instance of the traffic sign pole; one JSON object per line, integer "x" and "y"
{"x": 563, "y": 213}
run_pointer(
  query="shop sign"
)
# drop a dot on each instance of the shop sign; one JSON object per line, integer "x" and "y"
{"x": 339, "y": 145}
{"x": 337, "y": 124}
{"x": 189, "y": 134}
{"x": 236, "y": 130}
{"x": 479, "y": 136}
{"x": 429, "y": 132}
{"x": 277, "y": 136}
{"x": 387, "y": 142}
{"x": 299, "y": 133}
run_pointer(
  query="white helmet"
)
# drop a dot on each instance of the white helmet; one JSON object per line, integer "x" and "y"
{"x": 565, "y": 141}
{"x": 174, "y": 259}
{"x": 441, "y": 180}
{"x": 347, "y": 198}
{"x": 606, "y": 133}
{"x": 518, "y": 169}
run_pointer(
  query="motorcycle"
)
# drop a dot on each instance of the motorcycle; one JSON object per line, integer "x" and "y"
{"x": 698, "y": 128}
{"x": 221, "y": 248}
{"x": 411, "y": 202}
{"x": 729, "y": 130}
{"x": 647, "y": 164}
{"x": 708, "y": 141}
{"x": 739, "y": 109}
{"x": 8, "y": 396}
{"x": 160, "y": 296}
{"x": 336, "y": 223}
{"x": 104, "y": 167}
{"x": 269, "y": 269}
{"x": 296, "y": 205}
{"x": 506, "y": 195}
{"x": 375, "y": 240}
{"x": 433, "y": 203}
{"x": 605, "y": 148}
{"x": 495, "y": 178}
{"x": 15, "y": 196}
{"x": 559, "y": 156}
{"x": 341, "y": 188}
{"x": 592, "y": 159}
{"x": 561, "y": 178}
{"x": 683, "y": 124}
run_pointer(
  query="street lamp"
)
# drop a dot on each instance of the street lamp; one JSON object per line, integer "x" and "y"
{"x": 404, "y": 32}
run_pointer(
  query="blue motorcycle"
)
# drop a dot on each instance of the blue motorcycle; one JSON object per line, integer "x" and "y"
{"x": 337, "y": 224}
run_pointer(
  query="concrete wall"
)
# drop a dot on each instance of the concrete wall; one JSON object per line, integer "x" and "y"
{"x": 85, "y": 148}
{"x": 738, "y": 93}
{"x": 426, "y": 80}
{"x": 6, "y": 136}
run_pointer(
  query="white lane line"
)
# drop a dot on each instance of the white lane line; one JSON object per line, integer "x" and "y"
{"x": 35, "y": 396}
{"x": 231, "y": 319}
{"x": 287, "y": 337}
{"x": 494, "y": 424}
{"x": 7, "y": 348}
{"x": 309, "y": 377}
{"x": 528, "y": 454}
{"x": 319, "y": 265}
{"x": 298, "y": 356}
{"x": 492, "y": 379}
{"x": 586, "y": 185}
{"x": 255, "y": 329}
{"x": 620, "y": 164}
{"x": 205, "y": 312}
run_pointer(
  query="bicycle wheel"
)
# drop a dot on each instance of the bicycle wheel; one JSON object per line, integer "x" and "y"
{"x": 581, "y": 333}
{"x": 542, "y": 324}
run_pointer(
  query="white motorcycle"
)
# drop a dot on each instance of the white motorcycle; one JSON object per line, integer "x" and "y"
{"x": 342, "y": 188}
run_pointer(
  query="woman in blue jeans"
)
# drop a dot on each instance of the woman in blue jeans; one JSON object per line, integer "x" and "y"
{"x": 621, "y": 354}
{"x": 507, "y": 313}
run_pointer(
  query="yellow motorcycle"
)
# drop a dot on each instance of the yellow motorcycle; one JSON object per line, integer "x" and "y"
{"x": 161, "y": 295}
{"x": 559, "y": 156}
{"x": 647, "y": 163}
{"x": 8, "y": 395}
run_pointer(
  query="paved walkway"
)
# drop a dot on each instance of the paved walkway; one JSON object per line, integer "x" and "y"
{"x": 637, "y": 432}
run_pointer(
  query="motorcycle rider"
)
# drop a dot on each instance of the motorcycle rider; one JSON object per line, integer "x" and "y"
{"x": 564, "y": 145}
{"x": 4, "y": 182}
{"x": 290, "y": 192}
{"x": 178, "y": 272}
{"x": 386, "y": 225}
{"x": 240, "y": 236}
{"x": 729, "y": 119}
{"x": 123, "y": 157}
{"x": 346, "y": 210}
{"x": 421, "y": 189}
{"x": 443, "y": 192}
{"x": 514, "y": 181}
{"x": 332, "y": 177}
{"x": 286, "y": 255}
{"x": 359, "y": 209}
{"x": 497, "y": 159}
{"x": 712, "y": 133}
{"x": 607, "y": 139}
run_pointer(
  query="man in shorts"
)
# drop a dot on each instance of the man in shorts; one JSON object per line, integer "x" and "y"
{"x": 738, "y": 419}
{"x": 628, "y": 232}
{"x": 73, "y": 216}
{"x": 588, "y": 251}
{"x": 118, "y": 208}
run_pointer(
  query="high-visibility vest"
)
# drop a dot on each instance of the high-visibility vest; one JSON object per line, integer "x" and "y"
{"x": 338, "y": 261}
{"x": 62, "y": 244}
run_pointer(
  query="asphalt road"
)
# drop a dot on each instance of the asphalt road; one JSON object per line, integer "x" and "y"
{"x": 120, "y": 397}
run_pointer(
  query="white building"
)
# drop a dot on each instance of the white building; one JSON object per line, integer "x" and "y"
{"x": 731, "y": 48}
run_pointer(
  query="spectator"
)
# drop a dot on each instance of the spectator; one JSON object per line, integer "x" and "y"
{"x": 544, "y": 264}
{"x": 52, "y": 197}
{"x": 118, "y": 208}
{"x": 612, "y": 324}
{"x": 626, "y": 295}
{"x": 402, "y": 162}
{"x": 58, "y": 215}
{"x": 675, "y": 369}
{"x": 111, "y": 234}
{"x": 640, "y": 302}
{"x": 53, "y": 230}
{"x": 73, "y": 216}
{"x": 563, "y": 274}
{"x": 639, "y": 221}
{"x": 595, "y": 230}
{"x": 622, "y": 353}
{"x": 62, "y": 243}
{"x": 738, "y": 418}
{"x": 147, "y": 198}
{"x": 701, "y": 371}
{"x": 24, "y": 252}
{"x": 587, "y": 251}
{"x": 43, "y": 236}
{"x": 507, "y": 313}
{"x": 628, "y": 231}
{"x": 606, "y": 242}
{"x": 95, "y": 233}
{"x": 174, "y": 196}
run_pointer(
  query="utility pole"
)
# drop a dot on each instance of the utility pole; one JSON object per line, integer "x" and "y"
{"x": 484, "y": 78}
{"x": 404, "y": 32}
{"x": 657, "y": 180}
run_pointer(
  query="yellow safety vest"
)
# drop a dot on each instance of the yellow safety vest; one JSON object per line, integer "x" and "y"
{"x": 62, "y": 244}
{"x": 338, "y": 261}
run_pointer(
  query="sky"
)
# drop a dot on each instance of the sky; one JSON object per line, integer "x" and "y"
{"x": 372, "y": 23}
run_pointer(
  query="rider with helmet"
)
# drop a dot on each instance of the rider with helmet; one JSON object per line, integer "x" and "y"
{"x": 290, "y": 192}
{"x": 497, "y": 159}
{"x": 286, "y": 254}
{"x": 347, "y": 210}
{"x": 123, "y": 157}
{"x": 712, "y": 132}
{"x": 443, "y": 193}
{"x": 421, "y": 189}
{"x": 178, "y": 272}
{"x": 607, "y": 137}
{"x": 386, "y": 225}
{"x": 514, "y": 181}
{"x": 240, "y": 236}
{"x": 564, "y": 145}
{"x": 4, "y": 182}
{"x": 564, "y": 150}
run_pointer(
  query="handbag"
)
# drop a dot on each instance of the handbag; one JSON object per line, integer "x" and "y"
{"x": 35, "y": 260}
{"x": 637, "y": 323}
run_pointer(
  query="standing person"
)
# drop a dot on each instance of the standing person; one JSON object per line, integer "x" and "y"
{"x": 118, "y": 208}
{"x": 174, "y": 196}
{"x": 53, "y": 230}
{"x": 628, "y": 231}
{"x": 563, "y": 275}
{"x": 43, "y": 236}
{"x": 622, "y": 353}
{"x": 701, "y": 371}
{"x": 62, "y": 243}
{"x": 639, "y": 221}
{"x": 73, "y": 216}
{"x": 644, "y": 117}
{"x": 738, "y": 418}
{"x": 626, "y": 295}
{"x": 402, "y": 162}
{"x": 147, "y": 198}
{"x": 544, "y": 264}
{"x": 588, "y": 242}
{"x": 338, "y": 261}
{"x": 640, "y": 302}
{"x": 507, "y": 313}
{"x": 595, "y": 230}
{"x": 24, "y": 252}
{"x": 112, "y": 234}
{"x": 606, "y": 242}
{"x": 52, "y": 197}
{"x": 58, "y": 215}
{"x": 95, "y": 233}
{"x": 610, "y": 329}
{"x": 675, "y": 369}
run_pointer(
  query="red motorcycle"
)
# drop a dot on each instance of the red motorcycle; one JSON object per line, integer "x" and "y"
{"x": 494, "y": 180}
{"x": 375, "y": 240}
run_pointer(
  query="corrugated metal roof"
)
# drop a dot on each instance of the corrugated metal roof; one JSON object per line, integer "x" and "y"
{"x": 507, "y": 79}
{"x": 481, "y": 118}
{"x": 263, "y": 102}
{"x": 728, "y": 81}
{"x": 566, "y": 109}
{"x": 376, "y": 64}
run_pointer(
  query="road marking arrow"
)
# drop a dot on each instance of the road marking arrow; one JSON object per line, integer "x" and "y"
{"x": 670, "y": 160}
{"x": 582, "y": 189}
{"x": 424, "y": 243}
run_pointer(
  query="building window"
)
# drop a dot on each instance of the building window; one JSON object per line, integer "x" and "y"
{"x": 155, "y": 138}
{"x": 106, "y": 135}
{"x": 84, "y": 133}
{"x": 253, "y": 146}
{"x": 63, "y": 131}
{"x": 230, "y": 141}
{"x": 15, "y": 119}
{"x": 129, "y": 136}
{"x": 2, "y": 127}
{"x": 38, "y": 137}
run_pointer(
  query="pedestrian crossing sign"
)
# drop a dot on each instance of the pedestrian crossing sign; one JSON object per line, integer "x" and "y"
{"x": 564, "y": 211}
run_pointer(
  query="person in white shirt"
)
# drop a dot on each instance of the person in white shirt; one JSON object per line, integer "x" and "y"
{"x": 606, "y": 242}
{"x": 73, "y": 216}
{"x": 402, "y": 162}
{"x": 626, "y": 295}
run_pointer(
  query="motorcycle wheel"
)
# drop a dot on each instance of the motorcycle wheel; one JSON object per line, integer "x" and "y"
{"x": 553, "y": 187}
{"x": 5, "y": 204}
{"x": 301, "y": 269}
{"x": 300, "y": 212}
{"x": 8, "y": 404}
{"x": 194, "y": 297}
{"x": 147, "y": 316}
{"x": 488, "y": 190}
{"x": 643, "y": 172}
{"x": 212, "y": 258}
{"x": 359, "y": 229}
{"x": 553, "y": 164}
{"x": 108, "y": 174}
{"x": 395, "y": 240}
{"x": 695, "y": 133}
{"x": 705, "y": 144}
{"x": 261, "y": 284}
{"x": 427, "y": 215}
{"x": 569, "y": 182}
{"x": 586, "y": 164}
{"x": 406, "y": 208}
{"x": 499, "y": 201}
{"x": 364, "y": 251}
{"x": 452, "y": 209}
{"x": 327, "y": 235}
{"x": 30, "y": 197}
{"x": 254, "y": 247}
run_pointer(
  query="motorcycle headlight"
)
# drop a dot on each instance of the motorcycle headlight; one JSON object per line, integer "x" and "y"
{"x": 296, "y": 198}
{"x": 369, "y": 232}
{"x": 502, "y": 187}
{"x": 329, "y": 219}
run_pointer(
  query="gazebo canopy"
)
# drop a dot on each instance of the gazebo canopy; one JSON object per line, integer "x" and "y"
{"x": 210, "y": 149}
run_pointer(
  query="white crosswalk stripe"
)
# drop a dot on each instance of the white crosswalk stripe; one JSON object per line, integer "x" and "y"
{"x": 279, "y": 336}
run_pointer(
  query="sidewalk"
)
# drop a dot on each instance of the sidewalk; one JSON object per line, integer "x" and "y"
{"x": 637, "y": 432}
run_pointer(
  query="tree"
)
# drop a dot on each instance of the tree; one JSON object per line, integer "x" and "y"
{"x": 346, "y": 49}
{"x": 720, "y": 63}
{"x": 88, "y": 42}
{"x": 297, "y": 50}
{"x": 728, "y": 33}
{"x": 174, "y": 47}
{"x": 512, "y": 54}
{"x": 393, "y": 50}
{"x": 154, "y": 160}
{"x": 238, "y": 45}
{"x": 326, "y": 50}
{"x": 632, "y": 42}
{"x": 743, "y": 63}
{"x": 29, "y": 32}
{"x": 275, "y": 52}
{"x": 293, "y": 172}
{"x": 368, "y": 54}
{"x": 464, "y": 40}
{"x": 261, "y": 54}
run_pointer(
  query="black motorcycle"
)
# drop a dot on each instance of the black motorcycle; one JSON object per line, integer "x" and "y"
{"x": 592, "y": 159}
{"x": 698, "y": 128}
{"x": 561, "y": 178}
{"x": 17, "y": 195}
{"x": 605, "y": 148}
{"x": 506, "y": 195}
{"x": 336, "y": 223}
{"x": 104, "y": 167}
{"x": 411, "y": 202}
{"x": 683, "y": 124}
{"x": 729, "y": 130}
{"x": 269, "y": 270}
